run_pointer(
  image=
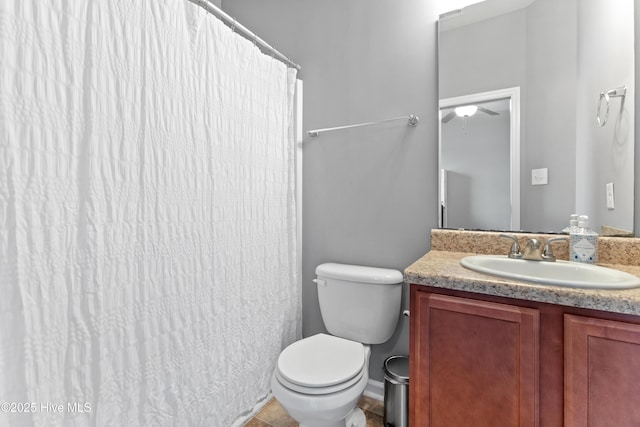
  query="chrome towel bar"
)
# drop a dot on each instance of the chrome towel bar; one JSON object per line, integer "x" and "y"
{"x": 412, "y": 121}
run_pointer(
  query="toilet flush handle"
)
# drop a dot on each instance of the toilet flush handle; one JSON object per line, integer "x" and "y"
{"x": 320, "y": 282}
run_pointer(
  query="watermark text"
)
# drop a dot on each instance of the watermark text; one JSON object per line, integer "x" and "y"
{"x": 46, "y": 407}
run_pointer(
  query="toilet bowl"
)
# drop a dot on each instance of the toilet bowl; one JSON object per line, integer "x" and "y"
{"x": 327, "y": 395}
{"x": 320, "y": 379}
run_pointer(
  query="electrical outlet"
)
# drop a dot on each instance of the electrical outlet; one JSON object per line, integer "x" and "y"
{"x": 539, "y": 176}
{"x": 610, "y": 198}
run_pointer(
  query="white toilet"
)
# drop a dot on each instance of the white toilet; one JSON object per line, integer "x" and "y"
{"x": 319, "y": 380}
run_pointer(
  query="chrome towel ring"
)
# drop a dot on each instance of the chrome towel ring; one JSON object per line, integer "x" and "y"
{"x": 613, "y": 93}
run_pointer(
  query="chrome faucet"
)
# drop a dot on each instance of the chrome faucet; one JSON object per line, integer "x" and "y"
{"x": 534, "y": 250}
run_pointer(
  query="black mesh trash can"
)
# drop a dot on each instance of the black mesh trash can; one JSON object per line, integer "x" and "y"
{"x": 396, "y": 391}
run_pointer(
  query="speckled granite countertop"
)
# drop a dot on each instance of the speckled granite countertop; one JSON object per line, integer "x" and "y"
{"x": 441, "y": 268}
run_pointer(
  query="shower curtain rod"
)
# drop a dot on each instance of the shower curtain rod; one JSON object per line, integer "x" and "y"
{"x": 412, "y": 121}
{"x": 244, "y": 31}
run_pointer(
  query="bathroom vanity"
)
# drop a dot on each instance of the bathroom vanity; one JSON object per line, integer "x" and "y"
{"x": 489, "y": 351}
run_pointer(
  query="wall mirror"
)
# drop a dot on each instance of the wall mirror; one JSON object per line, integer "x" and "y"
{"x": 571, "y": 61}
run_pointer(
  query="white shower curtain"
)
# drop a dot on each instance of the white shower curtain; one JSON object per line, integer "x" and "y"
{"x": 147, "y": 216}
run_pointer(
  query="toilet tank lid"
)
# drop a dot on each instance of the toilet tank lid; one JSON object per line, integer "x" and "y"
{"x": 359, "y": 273}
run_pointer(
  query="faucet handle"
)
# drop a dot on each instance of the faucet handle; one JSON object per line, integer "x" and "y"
{"x": 547, "y": 253}
{"x": 514, "y": 252}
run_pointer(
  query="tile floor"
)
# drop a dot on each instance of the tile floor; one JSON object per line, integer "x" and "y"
{"x": 273, "y": 415}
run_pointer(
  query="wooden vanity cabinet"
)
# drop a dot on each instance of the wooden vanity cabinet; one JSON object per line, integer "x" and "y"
{"x": 602, "y": 373}
{"x": 478, "y": 360}
{"x": 475, "y": 363}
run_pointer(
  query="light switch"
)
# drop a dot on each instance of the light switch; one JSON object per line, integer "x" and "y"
{"x": 539, "y": 176}
{"x": 610, "y": 198}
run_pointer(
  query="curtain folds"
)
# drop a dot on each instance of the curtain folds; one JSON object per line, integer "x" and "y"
{"x": 147, "y": 215}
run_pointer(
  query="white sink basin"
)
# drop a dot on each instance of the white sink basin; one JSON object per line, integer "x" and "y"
{"x": 559, "y": 273}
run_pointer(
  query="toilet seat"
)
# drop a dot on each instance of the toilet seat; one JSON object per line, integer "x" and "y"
{"x": 321, "y": 364}
{"x": 317, "y": 390}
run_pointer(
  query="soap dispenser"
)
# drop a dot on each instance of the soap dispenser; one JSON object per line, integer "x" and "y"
{"x": 573, "y": 224}
{"x": 583, "y": 242}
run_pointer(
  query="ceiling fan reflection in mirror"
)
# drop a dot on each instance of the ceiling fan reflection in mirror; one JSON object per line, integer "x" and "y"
{"x": 466, "y": 111}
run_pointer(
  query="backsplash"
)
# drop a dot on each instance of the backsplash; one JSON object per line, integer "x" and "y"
{"x": 611, "y": 250}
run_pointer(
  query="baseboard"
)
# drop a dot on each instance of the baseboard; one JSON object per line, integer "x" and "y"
{"x": 375, "y": 390}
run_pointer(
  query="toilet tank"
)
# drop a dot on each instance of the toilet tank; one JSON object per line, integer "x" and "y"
{"x": 359, "y": 303}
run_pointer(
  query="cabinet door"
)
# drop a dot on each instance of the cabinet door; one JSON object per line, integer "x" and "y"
{"x": 602, "y": 372}
{"x": 473, "y": 363}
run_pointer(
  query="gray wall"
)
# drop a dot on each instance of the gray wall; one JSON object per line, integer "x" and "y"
{"x": 484, "y": 56}
{"x": 605, "y": 154}
{"x": 550, "y": 109}
{"x": 369, "y": 194}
